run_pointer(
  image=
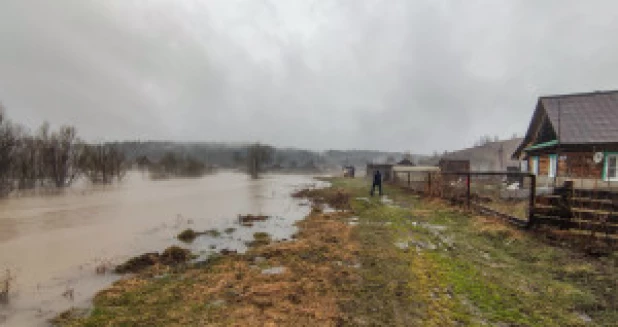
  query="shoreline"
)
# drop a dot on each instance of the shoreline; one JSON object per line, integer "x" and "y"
{"x": 397, "y": 260}
{"x": 279, "y": 281}
{"x": 63, "y": 243}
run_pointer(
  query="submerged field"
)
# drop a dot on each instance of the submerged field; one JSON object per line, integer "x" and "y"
{"x": 400, "y": 261}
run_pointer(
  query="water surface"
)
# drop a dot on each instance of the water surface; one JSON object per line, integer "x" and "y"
{"x": 52, "y": 243}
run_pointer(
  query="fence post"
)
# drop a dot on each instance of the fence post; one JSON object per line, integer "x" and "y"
{"x": 468, "y": 191}
{"x": 429, "y": 183}
{"x": 408, "y": 179}
{"x": 531, "y": 200}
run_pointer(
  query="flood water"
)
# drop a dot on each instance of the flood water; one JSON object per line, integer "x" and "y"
{"x": 53, "y": 243}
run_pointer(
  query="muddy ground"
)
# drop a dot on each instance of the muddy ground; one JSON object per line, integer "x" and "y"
{"x": 396, "y": 261}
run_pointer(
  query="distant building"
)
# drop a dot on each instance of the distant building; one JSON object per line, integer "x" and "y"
{"x": 491, "y": 156}
{"x": 406, "y": 162}
{"x": 349, "y": 171}
{"x": 573, "y": 137}
{"x": 454, "y": 165}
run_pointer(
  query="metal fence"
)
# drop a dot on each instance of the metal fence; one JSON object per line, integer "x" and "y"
{"x": 518, "y": 198}
{"x": 509, "y": 195}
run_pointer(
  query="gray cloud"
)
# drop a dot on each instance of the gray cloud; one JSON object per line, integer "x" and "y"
{"x": 397, "y": 75}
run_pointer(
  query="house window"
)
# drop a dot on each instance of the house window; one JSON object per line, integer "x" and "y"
{"x": 535, "y": 165}
{"x": 553, "y": 164}
{"x": 611, "y": 167}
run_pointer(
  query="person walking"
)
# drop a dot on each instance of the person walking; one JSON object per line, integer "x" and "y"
{"x": 377, "y": 182}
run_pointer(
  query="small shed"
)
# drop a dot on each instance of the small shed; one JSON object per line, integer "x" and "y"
{"x": 413, "y": 173}
{"x": 349, "y": 171}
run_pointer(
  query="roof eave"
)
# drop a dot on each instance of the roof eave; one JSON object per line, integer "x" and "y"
{"x": 534, "y": 124}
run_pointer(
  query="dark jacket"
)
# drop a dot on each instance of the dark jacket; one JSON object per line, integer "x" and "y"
{"x": 377, "y": 177}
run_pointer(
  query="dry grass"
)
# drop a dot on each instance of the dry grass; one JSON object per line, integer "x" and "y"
{"x": 481, "y": 271}
{"x": 494, "y": 226}
{"x": 232, "y": 290}
{"x": 172, "y": 256}
{"x": 337, "y": 198}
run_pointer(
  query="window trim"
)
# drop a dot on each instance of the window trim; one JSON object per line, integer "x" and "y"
{"x": 535, "y": 165}
{"x": 555, "y": 166}
{"x": 606, "y": 166}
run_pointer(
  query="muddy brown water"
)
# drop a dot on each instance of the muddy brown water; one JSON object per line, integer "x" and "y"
{"x": 52, "y": 243}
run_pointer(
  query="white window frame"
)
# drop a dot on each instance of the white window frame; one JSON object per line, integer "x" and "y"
{"x": 553, "y": 165}
{"x": 606, "y": 167}
{"x": 535, "y": 165}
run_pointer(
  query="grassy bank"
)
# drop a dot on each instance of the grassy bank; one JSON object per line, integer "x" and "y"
{"x": 407, "y": 262}
{"x": 430, "y": 264}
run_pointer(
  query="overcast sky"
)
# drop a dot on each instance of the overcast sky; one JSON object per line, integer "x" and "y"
{"x": 393, "y": 75}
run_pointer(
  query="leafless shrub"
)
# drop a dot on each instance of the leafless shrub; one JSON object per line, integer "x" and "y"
{"x": 52, "y": 157}
{"x": 104, "y": 267}
{"x": 257, "y": 156}
{"x": 8, "y": 143}
{"x": 102, "y": 163}
{"x": 6, "y": 287}
{"x": 172, "y": 165}
{"x": 69, "y": 293}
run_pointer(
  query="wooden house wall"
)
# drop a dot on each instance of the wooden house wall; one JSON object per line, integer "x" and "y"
{"x": 543, "y": 165}
{"x": 576, "y": 165}
{"x": 581, "y": 165}
{"x": 563, "y": 165}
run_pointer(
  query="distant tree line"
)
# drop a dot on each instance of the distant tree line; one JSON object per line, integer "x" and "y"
{"x": 173, "y": 165}
{"x": 52, "y": 158}
{"x": 486, "y": 139}
{"x": 102, "y": 163}
{"x": 232, "y": 155}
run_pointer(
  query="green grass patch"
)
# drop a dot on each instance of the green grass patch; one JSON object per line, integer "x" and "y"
{"x": 491, "y": 274}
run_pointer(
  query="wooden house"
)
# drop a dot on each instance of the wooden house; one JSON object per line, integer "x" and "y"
{"x": 573, "y": 137}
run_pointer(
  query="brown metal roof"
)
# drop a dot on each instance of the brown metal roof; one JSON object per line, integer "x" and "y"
{"x": 584, "y": 118}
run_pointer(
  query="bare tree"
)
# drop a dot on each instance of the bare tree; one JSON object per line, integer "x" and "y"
{"x": 8, "y": 144}
{"x": 26, "y": 162}
{"x": 143, "y": 163}
{"x": 102, "y": 163}
{"x": 46, "y": 158}
{"x": 61, "y": 156}
{"x": 483, "y": 140}
{"x": 169, "y": 163}
{"x": 257, "y": 156}
{"x": 172, "y": 165}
